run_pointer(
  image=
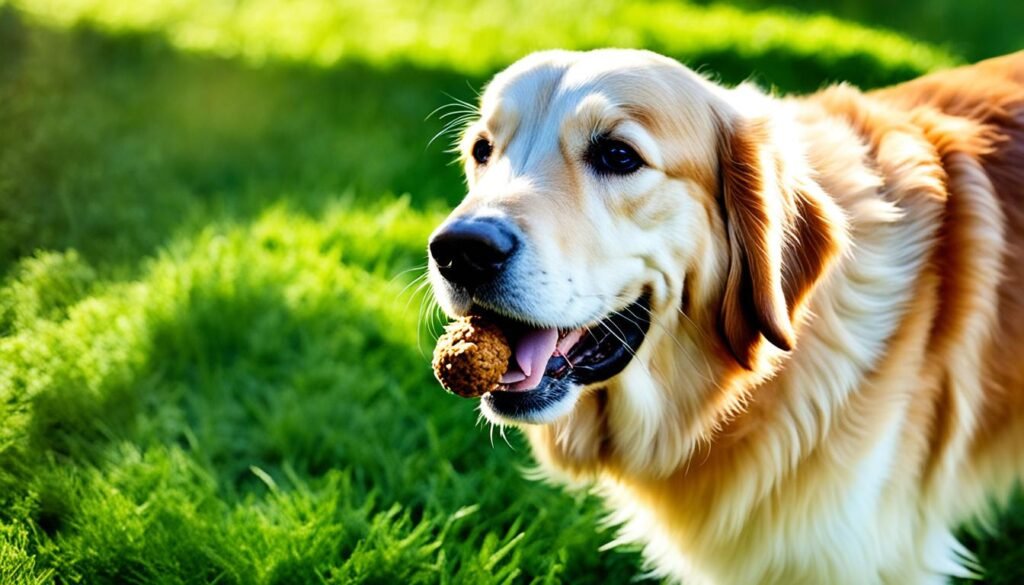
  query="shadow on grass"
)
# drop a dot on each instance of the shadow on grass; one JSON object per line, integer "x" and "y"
{"x": 112, "y": 145}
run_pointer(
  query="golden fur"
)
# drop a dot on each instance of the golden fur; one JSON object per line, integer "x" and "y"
{"x": 832, "y": 380}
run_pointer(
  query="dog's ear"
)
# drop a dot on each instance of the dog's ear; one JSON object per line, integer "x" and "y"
{"x": 783, "y": 234}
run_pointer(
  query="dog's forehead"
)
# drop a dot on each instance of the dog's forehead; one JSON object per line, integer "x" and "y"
{"x": 643, "y": 85}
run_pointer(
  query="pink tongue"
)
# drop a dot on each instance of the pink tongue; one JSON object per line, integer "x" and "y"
{"x": 532, "y": 353}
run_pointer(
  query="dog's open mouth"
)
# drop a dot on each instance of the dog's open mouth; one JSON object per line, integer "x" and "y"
{"x": 546, "y": 363}
{"x": 545, "y": 360}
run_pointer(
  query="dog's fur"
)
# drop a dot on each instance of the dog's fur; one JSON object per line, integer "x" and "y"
{"x": 833, "y": 378}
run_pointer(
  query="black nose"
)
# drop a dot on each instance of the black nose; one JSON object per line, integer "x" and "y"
{"x": 472, "y": 251}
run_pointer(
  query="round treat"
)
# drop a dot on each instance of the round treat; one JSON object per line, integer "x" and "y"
{"x": 471, "y": 356}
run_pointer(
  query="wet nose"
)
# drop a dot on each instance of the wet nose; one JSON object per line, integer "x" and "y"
{"x": 472, "y": 251}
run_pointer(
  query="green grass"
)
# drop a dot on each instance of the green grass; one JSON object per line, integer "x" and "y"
{"x": 213, "y": 367}
{"x": 977, "y": 30}
{"x": 443, "y": 34}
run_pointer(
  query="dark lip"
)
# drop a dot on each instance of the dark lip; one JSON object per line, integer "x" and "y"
{"x": 520, "y": 405}
{"x": 612, "y": 343}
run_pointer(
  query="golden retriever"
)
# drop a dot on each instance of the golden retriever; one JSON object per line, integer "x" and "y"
{"x": 783, "y": 336}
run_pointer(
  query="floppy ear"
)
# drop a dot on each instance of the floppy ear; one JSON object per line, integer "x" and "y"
{"x": 783, "y": 231}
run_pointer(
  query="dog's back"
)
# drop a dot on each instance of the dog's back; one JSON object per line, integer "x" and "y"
{"x": 972, "y": 121}
{"x": 991, "y": 95}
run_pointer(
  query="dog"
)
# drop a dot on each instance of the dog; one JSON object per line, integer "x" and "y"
{"x": 781, "y": 336}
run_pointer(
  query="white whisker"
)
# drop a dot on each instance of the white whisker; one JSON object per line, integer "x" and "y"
{"x": 679, "y": 344}
{"x": 622, "y": 340}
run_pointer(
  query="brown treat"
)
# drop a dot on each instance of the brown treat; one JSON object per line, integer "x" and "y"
{"x": 471, "y": 356}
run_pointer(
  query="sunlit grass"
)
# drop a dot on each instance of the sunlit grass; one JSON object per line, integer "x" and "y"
{"x": 194, "y": 418}
{"x": 479, "y": 36}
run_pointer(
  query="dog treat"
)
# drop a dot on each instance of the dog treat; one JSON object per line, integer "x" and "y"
{"x": 471, "y": 356}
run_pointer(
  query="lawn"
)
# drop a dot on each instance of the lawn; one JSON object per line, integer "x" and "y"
{"x": 214, "y": 352}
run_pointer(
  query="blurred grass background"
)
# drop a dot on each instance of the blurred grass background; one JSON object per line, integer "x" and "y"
{"x": 213, "y": 354}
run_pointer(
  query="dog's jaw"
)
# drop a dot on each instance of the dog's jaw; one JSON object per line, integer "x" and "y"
{"x": 549, "y": 402}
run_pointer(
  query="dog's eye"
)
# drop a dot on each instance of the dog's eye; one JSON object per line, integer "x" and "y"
{"x": 613, "y": 157}
{"x": 482, "y": 151}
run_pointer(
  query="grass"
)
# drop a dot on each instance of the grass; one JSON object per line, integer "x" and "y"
{"x": 382, "y": 33}
{"x": 212, "y": 350}
{"x": 976, "y": 30}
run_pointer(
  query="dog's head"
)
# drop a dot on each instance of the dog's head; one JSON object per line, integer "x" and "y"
{"x": 623, "y": 210}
